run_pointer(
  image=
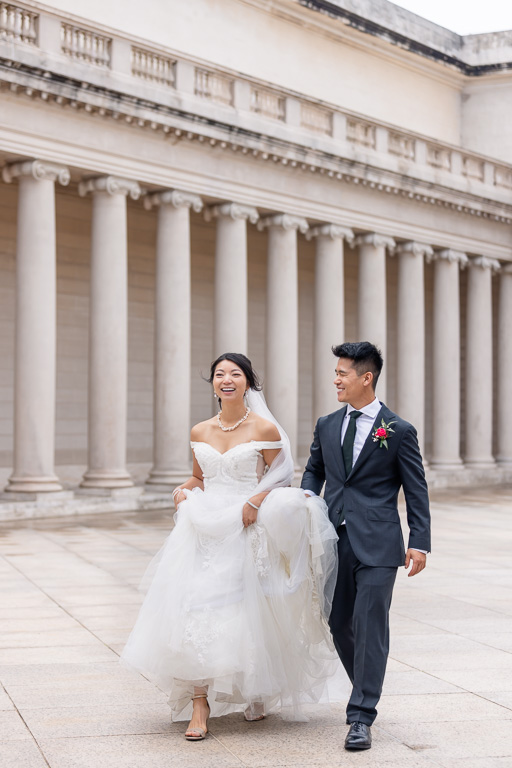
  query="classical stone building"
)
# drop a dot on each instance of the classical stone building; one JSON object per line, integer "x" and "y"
{"x": 268, "y": 176}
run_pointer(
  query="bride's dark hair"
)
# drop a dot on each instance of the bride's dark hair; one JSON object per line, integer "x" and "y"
{"x": 243, "y": 363}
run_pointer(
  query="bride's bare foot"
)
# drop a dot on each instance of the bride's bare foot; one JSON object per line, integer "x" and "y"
{"x": 198, "y": 726}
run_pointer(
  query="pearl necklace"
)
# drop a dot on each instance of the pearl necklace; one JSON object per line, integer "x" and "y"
{"x": 230, "y": 429}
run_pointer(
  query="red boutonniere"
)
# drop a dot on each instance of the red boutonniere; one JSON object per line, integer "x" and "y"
{"x": 382, "y": 433}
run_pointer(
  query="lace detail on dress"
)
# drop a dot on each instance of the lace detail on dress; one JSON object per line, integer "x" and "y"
{"x": 259, "y": 550}
{"x": 237, "y": 470}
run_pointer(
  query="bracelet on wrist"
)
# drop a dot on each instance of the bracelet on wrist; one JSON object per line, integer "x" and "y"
{"x": 176, "y": 491}
{"x": 253, "y": 505}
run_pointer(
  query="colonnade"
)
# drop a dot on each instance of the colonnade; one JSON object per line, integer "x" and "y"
{"x": 34, "y": 418}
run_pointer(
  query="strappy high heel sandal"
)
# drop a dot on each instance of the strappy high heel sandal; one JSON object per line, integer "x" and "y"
{"x": 196, "y": 733}
{"x": 255, "y": 712}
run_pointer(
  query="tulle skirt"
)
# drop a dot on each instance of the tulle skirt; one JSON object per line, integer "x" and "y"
{"x": 242, "y": 611}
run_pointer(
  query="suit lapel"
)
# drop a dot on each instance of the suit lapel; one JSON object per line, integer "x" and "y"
{"x": 335, "y": 438}
{"x": 369, "y": 445}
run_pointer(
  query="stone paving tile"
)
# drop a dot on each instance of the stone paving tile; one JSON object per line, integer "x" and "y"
{"x": 471, "y": 739}
{"x": 414, "y": 682}
{"x": 148, "y": 751}
{"x": 66, "y": 653}
{"x": 5, "y": 701}
{"x": 71, "y": 694}
{"x": 69, "y": 636}
{"x": 135, "y": 718}
{"x": 477, "y": 680}
{"x": 441, "y": 708}
{"x": 21, "y": 754}
{"x": 12, "y": 727}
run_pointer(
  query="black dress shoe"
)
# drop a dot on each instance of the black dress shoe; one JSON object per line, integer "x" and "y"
{"x": 358, "y": 737}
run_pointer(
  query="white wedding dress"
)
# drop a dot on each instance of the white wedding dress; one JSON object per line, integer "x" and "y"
{"x": 240, "y": 610}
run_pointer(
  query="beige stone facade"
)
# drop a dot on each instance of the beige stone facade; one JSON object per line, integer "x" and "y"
{"x": 271, "y": 178}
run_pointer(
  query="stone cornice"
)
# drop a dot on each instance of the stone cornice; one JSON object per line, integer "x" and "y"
{"x": 174, "y": 197}
{"x": 111, "y": 185}
{"x": 332, "y": 231}
{"x": 284, "y": 221}
{"x": 37, "y": 169}
{"x": 232, "y": 211}
{"x": 333, "y": 159}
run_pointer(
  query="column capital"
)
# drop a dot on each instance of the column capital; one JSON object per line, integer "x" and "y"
{"x": 413, "y": 248}
{"x": 284, "y": 221}
{"x": 37, "y": 169}
{"x": 112, "y": 185}
{"x": 447, "y": 254}
{"x": 174, "y": 197}
{"x": 377, "y": 240}
{"x": 334, "y": 231}
{"x": 484, "y": 262}
{"x": 234, "y": 211}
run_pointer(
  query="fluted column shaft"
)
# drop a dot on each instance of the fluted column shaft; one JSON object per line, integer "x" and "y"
{"x": 173, "y": 337}
{"x": 410, "y": 386}
{"x": 479, "y": 370}
{"x": 504, "y": 414}
{"x": 35, "y": 345}
{"x": 231, "y": 291}
{"x": 372, "y": 305}
{"x": 329, "y": 311}
{"x": 446, "y": 360}
{"x": 108, "y": 333}
{"x": 282, "y": 337}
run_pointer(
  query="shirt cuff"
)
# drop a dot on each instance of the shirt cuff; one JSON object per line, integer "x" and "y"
{"x": 423, "y": 552}
{"x": 308, "y": 492}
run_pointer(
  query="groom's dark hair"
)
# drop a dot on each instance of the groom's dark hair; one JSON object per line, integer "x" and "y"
{"x": 364, "y": 356}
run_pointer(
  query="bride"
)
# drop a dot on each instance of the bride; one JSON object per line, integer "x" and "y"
{"x": 235, "y": 617}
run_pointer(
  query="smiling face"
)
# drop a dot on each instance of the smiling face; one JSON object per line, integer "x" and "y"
{"x": 353, "y": 388}
{"x": 229, "y": 382}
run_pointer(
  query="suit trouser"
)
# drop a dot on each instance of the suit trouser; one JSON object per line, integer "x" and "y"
{"x": 359, "y": 625}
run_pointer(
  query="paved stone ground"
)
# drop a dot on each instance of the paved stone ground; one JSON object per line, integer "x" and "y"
{"x": 68, "y": 599}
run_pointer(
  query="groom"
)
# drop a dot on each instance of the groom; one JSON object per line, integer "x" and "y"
{"x": 364, "y": 453}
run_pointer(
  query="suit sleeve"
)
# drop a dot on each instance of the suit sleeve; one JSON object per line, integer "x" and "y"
{"x": 314, "y": 475}
{"x": 415, "y": 487}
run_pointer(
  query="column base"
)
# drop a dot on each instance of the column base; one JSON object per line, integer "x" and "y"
{"x": 505, "y": 462}
{"x": 50, "y": 497}
{"x": 163, "y": 480}
{"x": 446, "y": 465}
{"x": 31, "y": 485}
{"x": 106, "y": 480}
{"x": 128, "y": 492}
{"x": 487, "y": 463}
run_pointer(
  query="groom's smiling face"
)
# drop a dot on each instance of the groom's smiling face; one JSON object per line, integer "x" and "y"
{"x": 353, "y": 388}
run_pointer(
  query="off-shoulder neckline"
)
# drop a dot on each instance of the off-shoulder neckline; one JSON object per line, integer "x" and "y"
{"x": 246, "y": 442}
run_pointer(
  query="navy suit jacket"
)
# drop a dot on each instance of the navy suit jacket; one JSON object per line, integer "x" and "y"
{"x": 369, "y": 495}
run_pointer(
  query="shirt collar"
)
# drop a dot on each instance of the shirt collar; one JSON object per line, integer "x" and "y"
{"x": 370, "y": 410}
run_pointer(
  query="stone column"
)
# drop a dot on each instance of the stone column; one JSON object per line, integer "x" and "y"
{"x": 372, "y": 307}
{"x": 479, "y": 378}
{"x": 231, "y": 300}
{"x": 446, "y": 360}
{"x": 108, "y": 337}
{"x": 172, "y": 364}
{"x": 282, "y": 337}
{"x": 329, "y": 311}
{"x": 504, "y": 419}
{"x": 411, "y": 334}
{"x": 35, "y": 344}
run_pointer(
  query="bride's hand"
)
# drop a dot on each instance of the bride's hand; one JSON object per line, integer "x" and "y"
{"x": 178, "y": 496}
{"x": 249, "y": 515}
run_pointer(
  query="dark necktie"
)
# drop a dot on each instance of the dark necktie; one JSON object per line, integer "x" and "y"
{"x": 348, "y": 442}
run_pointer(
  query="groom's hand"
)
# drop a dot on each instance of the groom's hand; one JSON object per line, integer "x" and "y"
{"x": 419, "y": 561}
